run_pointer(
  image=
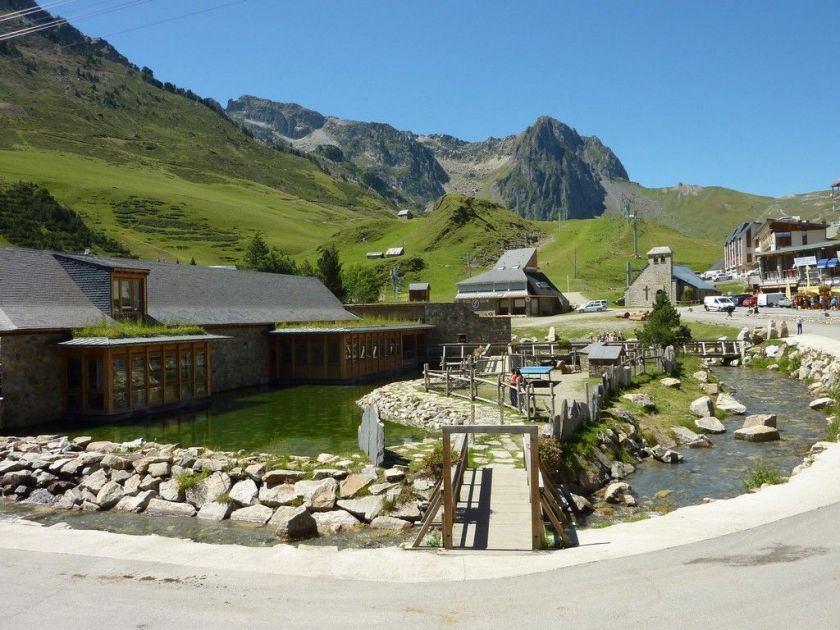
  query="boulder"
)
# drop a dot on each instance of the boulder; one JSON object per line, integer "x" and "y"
{"x": 109, "y": 495}
{"x": 684, "y": 435}
{"x": 702, "y": 376}
{"x": 712, "y": 389}
{"x": 772, "y": 351}
{"x": 354, "y": 483}
{"x": 327, "y": 458}
{"x": 208, "y": 489}
{"x": 701, "y": 442}
{"x": 274, "y": 477}
{"x": 82, "y": 441}
{"x": 160, "y": 469}
{"x": 317, "y": 495}
{"x": 323, "y": 473}
{"x": 150, "y": 483}
{"x": 394, "y": 474}
{"x": 642, "y": 400}
{"x": 131, "y": 486}
{"x": 702, "y": 407}
{"x": 615, "y": 492}
{"x": 783, "y": 330}
{"x": 729, "y": 404}
{"x": 116, "y": 462}
{"x": 244, "y": 492}
{"x": 760, "y": 420}
{"x": 102, "y": 447}
{"x": 582, "y": 503}
{"x": 290, "y": 523}
{"x": 95, "y": 481}
{"x": 379, "y": 488}
{"x": 136, "y": 503}
{"x": 277, "y": 495}
{"x": 670, "y": 381}
{"x": 820, "y": 403}
{"x": 68, "y": 500}
{"x": 389, "y": 523}
{"x": 710, "y": 424}
{"x": 619, "y": 470}
{"x": 41, "y": 496}
{"x": 159, "y": 507}
{"x": 169, "y": 490}
{"x": 334, "y": 522}
{"x": 215, "y": 511}
{"x": 367, "y": 508}
{"x": 10, "y": 465}
{"x": 255, "y": 471}
{"x": 757, "y": 433}
{"x": 256, "y": 514}
{"x": 210, "y": 464}
{"x": 409, "y": 511}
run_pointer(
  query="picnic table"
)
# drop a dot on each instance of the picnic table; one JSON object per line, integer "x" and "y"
{"x": 538, "y": 375}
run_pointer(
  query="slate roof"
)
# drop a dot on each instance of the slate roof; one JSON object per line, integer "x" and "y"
{"x": 418, "y": 286}
{"x": 662, "y": 250}
{"x": 602, "y": 352}
{"x": 108, "y": 342}
{"x": 513, "y": 258}
{"x": 681, "y": 272}
{"x": 37, "y": 292}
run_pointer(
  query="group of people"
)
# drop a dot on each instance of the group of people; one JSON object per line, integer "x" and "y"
{"x": 817, "y": 302}
{"x": 605, "y": 337}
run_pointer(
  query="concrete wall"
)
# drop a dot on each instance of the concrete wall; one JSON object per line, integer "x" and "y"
{"x": 657, "y": 275}
{"x": 243, "y": 360}
{"x": 32, "y": 373}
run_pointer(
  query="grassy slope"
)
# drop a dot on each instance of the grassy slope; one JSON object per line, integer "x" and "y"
{"x": 603, "y": 247}
{"x": 58, "y": 129}
{"x": 441, "y": 241}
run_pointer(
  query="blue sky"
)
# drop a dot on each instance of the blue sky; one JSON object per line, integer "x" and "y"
{"x": 742, "y": 94}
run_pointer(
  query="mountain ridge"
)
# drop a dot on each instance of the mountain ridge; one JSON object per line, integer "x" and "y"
{"x": 548, "y": 171}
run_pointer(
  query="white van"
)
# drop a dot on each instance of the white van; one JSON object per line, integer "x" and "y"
{"x": 769, "y": 299}
{"x": 718, "y": 303}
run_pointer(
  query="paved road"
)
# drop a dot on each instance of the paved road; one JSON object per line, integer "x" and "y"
{"x": 814, "y": 322}
{"x": 781, "y": 575}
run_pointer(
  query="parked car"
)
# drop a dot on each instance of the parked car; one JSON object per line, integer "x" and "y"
{"x": 718, "y": 303}
{"x": 593, "y": 306}
{"x": 770, "y": 299}
{"x": 739, "y": 298}
{"x": 749, "y": 301}
{"x": 785, "y": 302}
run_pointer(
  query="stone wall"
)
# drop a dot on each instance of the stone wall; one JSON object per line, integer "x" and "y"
{"x": 654, "y": 277}
{"x": 33, "y": 372}
{"x": 243, "y": 360}
{"x": 450, "y": 320}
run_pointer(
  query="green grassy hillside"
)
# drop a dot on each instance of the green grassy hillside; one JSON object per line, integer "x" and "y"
{"x": 166, "y": 174}
{"x": 460, "y": 237}
{"x": 463, "y": 236}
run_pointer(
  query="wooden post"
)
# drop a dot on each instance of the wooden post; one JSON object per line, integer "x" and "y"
{"x": 536, "y": 517}
{"x": 426, "y": 375}
{"x": 586, "y": 392}
{"x": 553, "y": 412}
{"x": 473, "y": 386}
{"x": 448, "y": 502}
{"x": 446, "y": 376}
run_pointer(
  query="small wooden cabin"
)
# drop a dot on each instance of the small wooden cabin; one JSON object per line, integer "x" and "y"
{"x": 419, "y": 292}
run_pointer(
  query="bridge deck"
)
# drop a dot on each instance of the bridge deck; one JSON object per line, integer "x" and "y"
{"x": 493, "y": 511}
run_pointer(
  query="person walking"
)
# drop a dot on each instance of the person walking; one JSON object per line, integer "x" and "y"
{"x": 799, "y": 325}
{"x": 515, "y": 378}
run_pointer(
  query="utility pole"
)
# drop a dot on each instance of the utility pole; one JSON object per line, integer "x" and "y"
{"x": 632, "y": 217}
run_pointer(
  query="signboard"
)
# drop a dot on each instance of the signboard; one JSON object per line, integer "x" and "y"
{"x": 805, "y": 261}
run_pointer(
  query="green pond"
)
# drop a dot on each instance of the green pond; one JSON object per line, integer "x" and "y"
{"x": 304, "y": 420}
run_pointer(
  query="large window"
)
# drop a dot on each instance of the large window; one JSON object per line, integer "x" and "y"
{"x": 128, "y": 297}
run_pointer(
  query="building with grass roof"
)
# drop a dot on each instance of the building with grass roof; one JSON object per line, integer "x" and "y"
{"x": 87, "y": 335}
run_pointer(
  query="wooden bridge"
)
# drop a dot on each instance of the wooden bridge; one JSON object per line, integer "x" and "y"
{"x": 715, "y": 349}
{"x": 496, "y": 507}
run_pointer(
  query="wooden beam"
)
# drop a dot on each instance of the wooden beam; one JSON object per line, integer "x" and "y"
{"x": 537, "y": 529}
{"x": 448, "y": 503}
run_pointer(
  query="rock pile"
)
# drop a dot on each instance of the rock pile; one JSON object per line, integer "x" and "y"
{"x": 406, "y": 402}
{"x": 310, "y": 496}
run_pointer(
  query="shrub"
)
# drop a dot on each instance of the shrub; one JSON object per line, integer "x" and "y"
{"x": 760, "y": 474}
{"x": 223, "y": 498}
{"x": 551, "y": 454}
{"x": 832, "y": 432}
{"x": 432, "y": 463}
{"x": 191, "y": 479}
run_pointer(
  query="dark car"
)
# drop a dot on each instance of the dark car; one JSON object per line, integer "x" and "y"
{"x": 749, "y": 301}
{"x": 739, "y": 298}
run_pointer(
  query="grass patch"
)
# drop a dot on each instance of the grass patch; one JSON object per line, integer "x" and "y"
{"x": 223, "y": 498}
{"x": 760, "y": 474}
{"x": 702, "y": 330}
{"x": 128, "y": 330}
{"x": 832, "y": 432}
{"x": 364, "y": 322}
{"x": 187, "y": 481}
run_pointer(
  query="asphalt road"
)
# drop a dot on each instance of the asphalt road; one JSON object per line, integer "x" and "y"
{"x": 782, "y": 575}
{"x": 813, "y": 321}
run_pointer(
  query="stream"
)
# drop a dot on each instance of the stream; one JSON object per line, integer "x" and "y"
{"x": 719, "y": 472}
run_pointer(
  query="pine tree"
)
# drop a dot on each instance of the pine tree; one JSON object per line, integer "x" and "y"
{"x": 329, "y": 271}
{"x": 192, "y": 261}
{"x": 662, "y": 327}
